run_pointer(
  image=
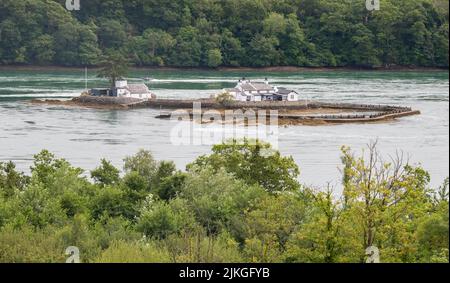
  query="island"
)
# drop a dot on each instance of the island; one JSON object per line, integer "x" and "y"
{"x": 292, "y": 108}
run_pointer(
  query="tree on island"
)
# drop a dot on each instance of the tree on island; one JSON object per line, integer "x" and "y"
{"x": 114, "y": 67}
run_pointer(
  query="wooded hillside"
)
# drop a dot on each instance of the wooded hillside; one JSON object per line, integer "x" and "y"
{"x": 211, "y": 33}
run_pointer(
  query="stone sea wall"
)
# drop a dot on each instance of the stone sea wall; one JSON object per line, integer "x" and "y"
{"x": 363, "y": 112}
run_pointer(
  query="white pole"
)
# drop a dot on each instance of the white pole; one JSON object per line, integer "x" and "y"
{"x": 85, "y": 79}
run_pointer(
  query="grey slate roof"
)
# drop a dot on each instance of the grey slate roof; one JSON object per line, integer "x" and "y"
{"x": 283, "y": 90}
{"x": 262, "y": 86}
{"x": 256, "y": 87}
{"x": 232, "y": 89}
{"x": 248, "y": 87}
{"x": 138, "y": 88}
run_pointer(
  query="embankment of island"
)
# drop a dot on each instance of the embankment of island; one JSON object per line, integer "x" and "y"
{"x": 289, "y": 113}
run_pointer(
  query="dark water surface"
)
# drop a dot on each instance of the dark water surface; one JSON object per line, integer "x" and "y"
{"x": 84, "y": 136}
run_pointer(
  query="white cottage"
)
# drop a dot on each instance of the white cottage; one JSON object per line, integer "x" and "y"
{"x": 247, "y": 90}
{"x": 288, "y": 94}
{"x": 123, "y": 89}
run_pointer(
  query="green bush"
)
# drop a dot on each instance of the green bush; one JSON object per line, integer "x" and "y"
{"x": 27, "y": 245}
{"x": 242, "y": 203}
{"x": 133, "y": 252}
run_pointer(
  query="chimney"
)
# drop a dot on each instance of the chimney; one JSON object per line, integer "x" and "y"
{"x": 121, "y": 83}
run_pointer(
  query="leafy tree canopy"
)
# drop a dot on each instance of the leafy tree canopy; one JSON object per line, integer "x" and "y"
{"x": 212, "y": 33}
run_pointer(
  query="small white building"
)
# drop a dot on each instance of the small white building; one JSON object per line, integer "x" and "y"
{"x": 247, "y": 90}
{"x": 123, "y": 89}
{"x": 288, "y": 94}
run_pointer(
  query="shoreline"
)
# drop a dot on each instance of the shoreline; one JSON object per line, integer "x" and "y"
{"x": 300, "y": 113}
{"x": 285, "y": 69}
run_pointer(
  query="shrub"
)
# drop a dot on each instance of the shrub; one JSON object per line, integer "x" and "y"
{"x": 225, "y": 99}
{"x": 134, "y": 252}
{"x": 27, "y": 245}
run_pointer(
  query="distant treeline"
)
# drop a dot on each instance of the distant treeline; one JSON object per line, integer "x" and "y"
{"x": 212, "y": 33}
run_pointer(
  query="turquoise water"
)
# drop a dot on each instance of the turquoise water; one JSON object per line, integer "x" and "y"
{"x": 84, "y": 136}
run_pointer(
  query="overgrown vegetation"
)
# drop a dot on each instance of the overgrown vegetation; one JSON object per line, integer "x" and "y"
{"x": 212, "y": 33}
{"x": 224, "y": 99}
{"x": 242, "y": 203}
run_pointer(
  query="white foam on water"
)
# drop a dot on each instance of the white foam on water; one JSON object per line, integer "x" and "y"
{"x": 42, "y": 95}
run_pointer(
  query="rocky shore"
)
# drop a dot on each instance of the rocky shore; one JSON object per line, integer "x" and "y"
{"x": 93, "y": 102}
{"x": 289, "y": 113}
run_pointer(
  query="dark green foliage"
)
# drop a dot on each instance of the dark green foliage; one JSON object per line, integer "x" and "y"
{"x": 106, "y": 174}
{"x": 143, "y": 163}
{"x": 170, "y": 186}
{"x": 114, "y": 66}
{"x": 254, "y": 162}
{"x": 11, "y": 180}
{"x": 242, "y": 203}
{"x": 160, "y": 219}
{"x": 111, "y": 202}
{"x": 212, "y": 33}
{"x": 111, "y": 34}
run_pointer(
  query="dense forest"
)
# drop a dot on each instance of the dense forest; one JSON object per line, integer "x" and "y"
{"x": 212, "y": 33}
{"x": 241, "y": 203}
